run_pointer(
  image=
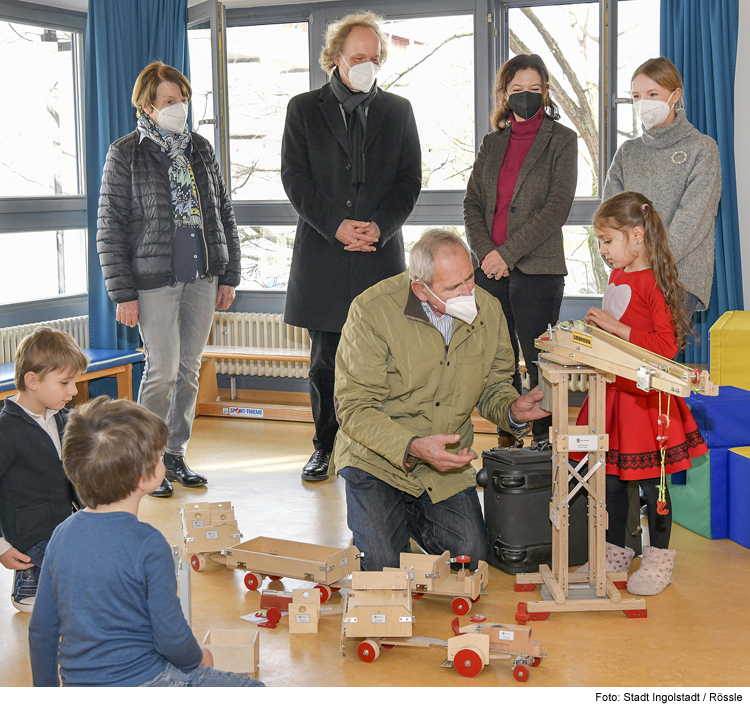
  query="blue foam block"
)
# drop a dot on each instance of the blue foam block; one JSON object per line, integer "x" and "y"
{"x": 739, "y": 497}
{"x": 724, "y": 420}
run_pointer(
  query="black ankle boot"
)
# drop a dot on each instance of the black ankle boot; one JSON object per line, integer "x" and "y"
{"x": 178, "y": 471}
{"x": 163, "y": 490}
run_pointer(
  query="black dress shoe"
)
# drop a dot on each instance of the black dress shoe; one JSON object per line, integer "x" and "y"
{"x": 163, "y": 490}
{"x": 178, "y": 471}
{"x": 316, "y": 470}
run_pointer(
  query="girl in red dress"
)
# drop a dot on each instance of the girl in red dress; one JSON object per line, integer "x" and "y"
{"x": 644, "y": 304}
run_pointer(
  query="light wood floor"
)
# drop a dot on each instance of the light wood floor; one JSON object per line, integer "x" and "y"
{"x": 695, "y": 633}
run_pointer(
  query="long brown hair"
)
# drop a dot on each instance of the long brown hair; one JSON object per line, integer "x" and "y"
{"x": 624, "y": 212}
{"x": 504, "y": 77}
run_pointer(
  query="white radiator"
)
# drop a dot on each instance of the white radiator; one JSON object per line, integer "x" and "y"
{"x": 78, "y": 327}
{"x": 260, "y": 330}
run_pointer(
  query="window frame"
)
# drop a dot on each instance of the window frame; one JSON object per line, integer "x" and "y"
{"x": 20, "y": 214}
{"x": 491, "y": 46}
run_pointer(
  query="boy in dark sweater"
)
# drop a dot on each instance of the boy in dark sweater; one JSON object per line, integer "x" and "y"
{"x": 123, "y": 626}
{"x": 35, "y": 494}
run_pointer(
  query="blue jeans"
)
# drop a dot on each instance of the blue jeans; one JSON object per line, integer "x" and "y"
{"x": 175, "y": 322}
{"x": 27, "y": 581}
{"x": 200, "y": 677}
{"x": 383, "y": 519}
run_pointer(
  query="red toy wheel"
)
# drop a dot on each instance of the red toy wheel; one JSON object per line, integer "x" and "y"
{"x": 477, "y": 619}
{"x": 275, "y": 578}
{"x": 468, "y": 662}
{"x": 536, "y": 662}
{"x": 474, "y": 600}
{"x": 417, "y": 595}
{"x": 273, "y": 615}
{"x": 463, "y": 559}
{"x": 198, "y": 562}
{"x": 252, "y": 581}
{"x": 524, "y": 587}
{"x": 368, "y": 650}
{"x": 521, "y": 673}
{"x": 388, "y": 646}
{"x": 325, "y": 592}
{"x": 461, "y": 606}
{"x": 620, "y": 585}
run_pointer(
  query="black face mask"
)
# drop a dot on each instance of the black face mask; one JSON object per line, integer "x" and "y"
{"x": 525, "y": 104}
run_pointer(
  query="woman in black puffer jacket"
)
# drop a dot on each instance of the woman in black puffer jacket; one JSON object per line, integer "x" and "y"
{"x": 169, "y": 250}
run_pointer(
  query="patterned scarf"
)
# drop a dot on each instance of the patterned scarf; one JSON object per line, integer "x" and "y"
{"x": 181, "y": 179}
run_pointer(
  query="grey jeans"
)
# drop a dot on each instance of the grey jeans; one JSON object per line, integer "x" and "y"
{"x": 200, "y": 677}
{"x": 175, "y": 322}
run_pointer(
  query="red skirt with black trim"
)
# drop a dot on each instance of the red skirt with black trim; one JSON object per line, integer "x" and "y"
{"x": 632, "y": 429}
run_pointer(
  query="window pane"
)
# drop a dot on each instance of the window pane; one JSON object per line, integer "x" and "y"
{"x": 587, "y": 272}
{"x": 431, "y": 63}
{"x": 37, "y": 119}
{"x": 59, "y": 265}
{"x": 267, "y": 66}
{"x": 266, "y": 256}
{"x": 201, "y": 80}
{"x": 567, "y": 39}
{"x": 637, "y": 41}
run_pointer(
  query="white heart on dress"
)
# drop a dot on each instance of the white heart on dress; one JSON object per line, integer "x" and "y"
{"x": 616, "y": 299}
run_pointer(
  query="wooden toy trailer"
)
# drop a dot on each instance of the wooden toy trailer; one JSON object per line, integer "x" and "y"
{"x": 433, "y": 574}
{"x": 378, "y": 609}
{"x": 475, "y": 644}
{"x": 215, "y": 536}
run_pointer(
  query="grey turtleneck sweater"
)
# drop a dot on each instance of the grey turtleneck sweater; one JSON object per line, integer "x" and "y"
{"x": 678, "y": 169}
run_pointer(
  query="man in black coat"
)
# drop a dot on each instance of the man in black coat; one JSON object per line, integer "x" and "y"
{"x": 351, "y": 166}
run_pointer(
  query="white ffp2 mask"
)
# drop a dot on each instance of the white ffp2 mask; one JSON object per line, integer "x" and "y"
{"x": 463, "y": 307}
{"x": 653, "y": 112}
{"x": 362, "y": 76}
{"x": 173, "y": 117}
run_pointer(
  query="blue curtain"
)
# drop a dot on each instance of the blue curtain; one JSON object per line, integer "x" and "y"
{"x": 122, "y": 37}
{"x": 700, "y": 37}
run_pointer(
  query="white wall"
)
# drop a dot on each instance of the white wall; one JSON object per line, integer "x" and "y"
{"x": 742, "y": 141}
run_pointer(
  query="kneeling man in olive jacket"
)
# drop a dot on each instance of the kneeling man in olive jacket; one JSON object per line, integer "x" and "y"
{"x": 418, "y": 352}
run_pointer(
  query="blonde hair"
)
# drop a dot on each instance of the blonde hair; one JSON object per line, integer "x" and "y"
{"x": 623, "y": 212}
{"x": 504, "y": 77}
{"x": 45, "y": 351}
{"x": 108, "y": 446}
{"x": 662, "y": 71}
{"x": 422, "y": 254}
{"x": 338, "y": 31}
{"x": 144, "y": 90}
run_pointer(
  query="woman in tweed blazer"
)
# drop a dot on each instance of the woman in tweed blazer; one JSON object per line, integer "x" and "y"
{"x": 517, "y": 200}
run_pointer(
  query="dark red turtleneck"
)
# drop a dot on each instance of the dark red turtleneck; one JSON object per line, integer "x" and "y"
{"x": 522, "y": 136}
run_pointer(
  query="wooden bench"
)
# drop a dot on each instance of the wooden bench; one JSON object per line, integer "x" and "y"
{"x": 102, "y": 363}
{"x": 266, "y": 404}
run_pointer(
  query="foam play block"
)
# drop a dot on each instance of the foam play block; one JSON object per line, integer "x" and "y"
{"x": 728, "y": 349}
{"x": 724, "y": 420}
{"x": 739, "y": 495}
{"x": 699, "y": 503}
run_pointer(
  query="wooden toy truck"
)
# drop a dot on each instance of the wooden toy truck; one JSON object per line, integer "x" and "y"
{"x": 432, "y": 574}
{"x": 475, "y": 644}
{"x": 378, "y": 609}
{"x": 211, "y": 533}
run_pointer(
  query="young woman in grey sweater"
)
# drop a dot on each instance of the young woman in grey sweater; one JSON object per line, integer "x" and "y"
{"x": 678, "y": 169}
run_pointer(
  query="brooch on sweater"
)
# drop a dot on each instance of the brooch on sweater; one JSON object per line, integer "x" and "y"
{"x": 679, "y": 157}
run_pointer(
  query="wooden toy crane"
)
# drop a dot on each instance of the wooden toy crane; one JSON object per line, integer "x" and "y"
{"x": 576, "y": 349}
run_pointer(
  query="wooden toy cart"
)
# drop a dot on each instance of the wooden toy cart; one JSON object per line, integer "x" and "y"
{"x": 475, "y": 644}
{"x": 262, "y": 556}
{"x": 378, "y": 609}
{"x": 433, "y": 575}
{"x": 575, "y": 348}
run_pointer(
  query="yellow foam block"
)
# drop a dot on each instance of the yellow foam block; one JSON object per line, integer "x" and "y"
{"x": 730, "y": 349}
{"x": 742, "y": 451}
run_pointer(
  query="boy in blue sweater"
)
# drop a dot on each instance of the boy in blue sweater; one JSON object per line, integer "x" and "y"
{"x": 35, "y": 494}
{"x": 124, "y": 626}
